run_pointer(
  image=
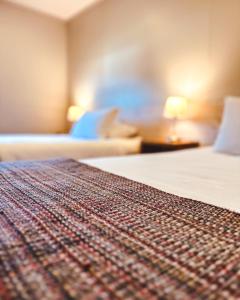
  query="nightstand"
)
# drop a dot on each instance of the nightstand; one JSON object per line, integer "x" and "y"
{"x": 164, "y": 146}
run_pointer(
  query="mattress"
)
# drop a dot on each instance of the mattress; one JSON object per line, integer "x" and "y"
{"x": 30, "y": 147}
{"x": 199, "y": 174}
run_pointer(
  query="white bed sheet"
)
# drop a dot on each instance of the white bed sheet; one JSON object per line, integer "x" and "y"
{"x": 199, "y": 174}
{"x": 27, "y": 147}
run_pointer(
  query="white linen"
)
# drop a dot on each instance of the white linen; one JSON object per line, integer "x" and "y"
{"x": 27, "y": 147}
{"x": 199, "y": 174}
{"x": 228, "y": 139}
{"x": 122, "y": 130}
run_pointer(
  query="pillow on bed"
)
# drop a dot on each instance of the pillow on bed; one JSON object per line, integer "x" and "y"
{"x": 122, "y": 130}
{"x": 228, "y": 139}
{"x": 94, "y": 124}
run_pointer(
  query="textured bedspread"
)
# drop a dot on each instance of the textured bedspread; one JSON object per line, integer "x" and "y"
{"x": 71, "y": 231}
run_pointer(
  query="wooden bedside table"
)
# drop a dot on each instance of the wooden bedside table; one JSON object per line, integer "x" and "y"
{"x": 164, "y": 146}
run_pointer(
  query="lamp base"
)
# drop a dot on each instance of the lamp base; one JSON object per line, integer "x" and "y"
{"x": 173, "y": 139}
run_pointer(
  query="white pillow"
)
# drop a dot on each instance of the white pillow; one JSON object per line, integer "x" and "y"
{"x": 228, "y": 139}
{"x": 94, "y": 124}
{"x": 122, "y": 130}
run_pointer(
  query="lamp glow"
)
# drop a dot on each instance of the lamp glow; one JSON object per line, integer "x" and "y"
{"x": 175, "y": 108}
{"x": 74, "y": 113}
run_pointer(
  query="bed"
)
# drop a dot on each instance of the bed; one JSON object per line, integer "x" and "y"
{"x": 121, "y": 228}
{"x": 200, "y": 174}
{"x": 29, "y": 147}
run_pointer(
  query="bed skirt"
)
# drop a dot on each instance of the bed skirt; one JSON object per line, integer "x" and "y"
{"x": 71, "y": 231}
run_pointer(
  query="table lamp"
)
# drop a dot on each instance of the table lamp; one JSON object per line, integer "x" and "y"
{"x": 74, "y": 113}
{"x": 175, "y": 109}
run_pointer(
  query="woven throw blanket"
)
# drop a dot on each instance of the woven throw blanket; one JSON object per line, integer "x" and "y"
{"x": 71, "y": 231}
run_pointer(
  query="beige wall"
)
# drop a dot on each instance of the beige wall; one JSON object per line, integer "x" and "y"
{"x": 135, "y": 53}
{"x": 129, "y": 53}
{"x": 33, "y": 71}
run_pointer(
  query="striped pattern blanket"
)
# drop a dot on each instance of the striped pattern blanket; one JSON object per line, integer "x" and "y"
{"x": 71, "y": 231}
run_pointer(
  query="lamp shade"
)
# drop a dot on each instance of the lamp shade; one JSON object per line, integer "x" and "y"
{"x": 175, "y": 108}
{"x": 74, "y": 113}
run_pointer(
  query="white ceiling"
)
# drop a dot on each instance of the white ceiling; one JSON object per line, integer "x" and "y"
{"x": 63, "y": 9}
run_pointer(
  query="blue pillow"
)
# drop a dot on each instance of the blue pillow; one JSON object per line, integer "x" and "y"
{"x": 94, "y": 124}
